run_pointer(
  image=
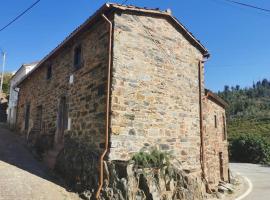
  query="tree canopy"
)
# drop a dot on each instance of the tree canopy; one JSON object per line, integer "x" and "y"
{"x": 6, "y": 82}
{"x": 248, "y": 123}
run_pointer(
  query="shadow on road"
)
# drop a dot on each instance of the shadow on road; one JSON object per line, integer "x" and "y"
{"x": 14, "y": 152}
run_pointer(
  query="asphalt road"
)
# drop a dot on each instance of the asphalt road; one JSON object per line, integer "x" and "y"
{"x": 259, "y": 177}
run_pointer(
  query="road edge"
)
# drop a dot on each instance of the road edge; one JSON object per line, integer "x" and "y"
{"x": 248, "y": 191}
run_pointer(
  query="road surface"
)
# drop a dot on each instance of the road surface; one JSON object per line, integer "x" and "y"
{"x": 24, "y": 178}
{"x": 259, "y": 177}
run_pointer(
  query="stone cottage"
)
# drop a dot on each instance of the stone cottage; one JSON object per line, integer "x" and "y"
{"x": 126, "y": 80}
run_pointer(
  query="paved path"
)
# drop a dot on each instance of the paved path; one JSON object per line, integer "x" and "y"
{"x": 259, "y": 177}
{"x": 24, "y": 178}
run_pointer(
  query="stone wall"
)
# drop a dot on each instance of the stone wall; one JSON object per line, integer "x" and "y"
{"x": 129, "y": 182}
{"x": 155, "y": 96}
{"x": 85, "y": 96}
{"x": 215, "y": 142}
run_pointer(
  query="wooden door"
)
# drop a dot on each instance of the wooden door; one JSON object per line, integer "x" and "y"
{"x": 221, "y": 169}
{"x": 27, "y": 117}
{"x": 38, "y": 121}
{"x": 62, "y": 119}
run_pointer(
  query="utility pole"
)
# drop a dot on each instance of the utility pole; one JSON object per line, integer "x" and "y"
{"x": 3, "y": 68}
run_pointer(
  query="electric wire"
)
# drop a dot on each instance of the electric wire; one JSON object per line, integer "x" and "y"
{"x": 249, "y": 5}
{"x": 20, "y": 15}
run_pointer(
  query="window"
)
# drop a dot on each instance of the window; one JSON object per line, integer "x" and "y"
{"x": 49, "y": 72}
{"x": 77, "y": 60}
{"x": 215, "y": 118}
{"x": 27, "y": 117}
{"x": 224, "y": 128}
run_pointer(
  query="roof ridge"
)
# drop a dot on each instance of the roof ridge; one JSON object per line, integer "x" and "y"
{"x": 106, "y": 8}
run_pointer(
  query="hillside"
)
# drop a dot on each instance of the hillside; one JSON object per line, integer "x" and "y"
{"x": 249, "y": 108}
{"x": 249, "y": 121}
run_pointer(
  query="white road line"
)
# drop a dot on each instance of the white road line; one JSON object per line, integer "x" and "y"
{"x": 250, "y": 187}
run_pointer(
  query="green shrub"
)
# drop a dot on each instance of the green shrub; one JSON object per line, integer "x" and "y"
{"x": 152, "y": 159}
{"x": 250, "y": 148}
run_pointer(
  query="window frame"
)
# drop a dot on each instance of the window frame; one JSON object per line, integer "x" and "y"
{"x": 49, "y": 72}
{"x": 215, "y": 121}
{"x": 224, "y": 137}
{"x": 77, "y": 58}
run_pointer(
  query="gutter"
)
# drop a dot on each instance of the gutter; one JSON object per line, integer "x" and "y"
{"x": 201, "y": 117}
{"x": 202, "y": 149}
{"x": 101, "y": 167}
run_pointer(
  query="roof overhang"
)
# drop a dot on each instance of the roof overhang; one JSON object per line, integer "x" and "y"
{"x": 215, "y": 98}
{"x": 110, "y": 8}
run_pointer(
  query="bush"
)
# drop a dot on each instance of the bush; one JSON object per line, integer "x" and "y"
{"x": 152, "y": 159}
{"x": 250, "y": 148}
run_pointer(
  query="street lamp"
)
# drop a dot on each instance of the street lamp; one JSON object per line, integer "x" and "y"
{"x": 3, "y": 68}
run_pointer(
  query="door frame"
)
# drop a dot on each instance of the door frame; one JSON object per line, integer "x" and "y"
{"x": 62, "y": 120}
{"x": 27, "y": 117}
{"x": 221, "y": 165}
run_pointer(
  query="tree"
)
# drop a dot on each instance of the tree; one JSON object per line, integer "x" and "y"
{"x": 265, "y": 82}
{"x": 6, "y": 82}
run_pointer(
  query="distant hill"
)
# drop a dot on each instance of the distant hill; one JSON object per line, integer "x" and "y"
{"x": 249, "y": 109}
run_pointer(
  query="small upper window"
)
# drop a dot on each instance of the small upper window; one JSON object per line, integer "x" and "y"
{"x": 49, "y": 72}
{"x": 215, "y": 121}
{"x": 77, "y": 57}
{"x": 224, "y": 128}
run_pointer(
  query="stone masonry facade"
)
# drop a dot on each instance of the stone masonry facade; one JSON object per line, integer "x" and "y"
{"x": 85, "y": 96}
{"x": 154, "y": 91}
{"x": 155, "y": 96}
{"x": 216, "y": 146}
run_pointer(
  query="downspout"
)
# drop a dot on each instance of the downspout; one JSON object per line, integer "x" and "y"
{"x": 201, "y": 126}
{"x": 107, "y": 108}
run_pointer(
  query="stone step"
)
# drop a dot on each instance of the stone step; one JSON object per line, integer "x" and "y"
{"x": 50, "y": 161}
{"x": 51, "y": 155}
{"x": 228, "y": 186}
{"x": 222, "y": 189}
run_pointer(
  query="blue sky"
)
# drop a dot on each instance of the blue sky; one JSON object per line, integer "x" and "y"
{"x": 238, "y": 38}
